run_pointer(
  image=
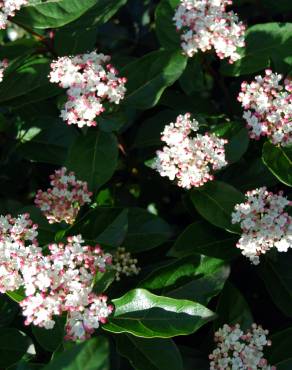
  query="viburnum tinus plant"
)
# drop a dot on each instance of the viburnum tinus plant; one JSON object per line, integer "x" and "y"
{"x": 145, "y": 185}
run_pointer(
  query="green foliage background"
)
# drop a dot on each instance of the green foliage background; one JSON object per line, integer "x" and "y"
{"x": 193, "y": 278}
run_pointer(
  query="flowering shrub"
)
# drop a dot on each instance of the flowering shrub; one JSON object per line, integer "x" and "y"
{"x": 145, "y": 185}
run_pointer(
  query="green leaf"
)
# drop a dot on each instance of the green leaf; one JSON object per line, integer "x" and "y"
{"x": 80, "y": 35}
{"x": 232, "y": 308}
{"x": 284, "y": 365}
{"x": 52, "y": 13}
{"x": 93, "y": 157}
{"x": 149, "y": 354}
{"x": 281, "y": 346}
{"x": 202, "y": 238}
{"x": 28, "y": 78}
{"x": 8, "y": 310}
{"x": 50, "y": 339}
{"x": 16, "y": 295}
{"x": 237, "y": 137}
{"x": 146, "y": 315}
{"x": 165, "y": 26}
{"x": 193, "y": 80}
{"x": 90, "y": 355}
{"x": 116, "y": 232}
{"x": 51, "y": 144}
{"x": 266, "y": 43}
{"x": 277, "y": 276}
{"x": 160, "y": 69}
{"x": 13, "y": 346}
{"x": 196, "y": 278}
{"x": 279, "y": 162}
{"x": 149, "y": 132}
{"x": 215, "y": 202}
{"x": 145, "y": 231}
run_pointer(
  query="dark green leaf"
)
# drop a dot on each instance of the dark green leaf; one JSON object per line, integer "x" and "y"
{"x": 279, "y": 162}
{"x": 146, "y": 315}
{"x": 149, "y": 354}
{"x": 232, "y": 308}
{"x": 90, "y": 355}
{"x": 52, "y": 14}
{"x": 193, "y": 79}
{"x": 277, "y": 276}
{"x": 281, "y": 346}
{"x": 265, "y": 43}
{"x": 215, "y": 201}
{"x": 165, "y": 26}
{"x": 197, "y": 278}
{"x": 284, "y": 365}
{"x": 50, "y": 339}
{"x": 160, "y": 70}
{"x": 13, "y": 345}
{"x": 145, "y": 231}
{"x": 93, "y": 158}
{"x": 201, "y": 237}
{"x": 116, "y": 232}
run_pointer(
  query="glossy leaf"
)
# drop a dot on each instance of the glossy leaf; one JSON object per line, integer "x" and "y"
{"x": 281, "y": 346}
{"x": 52, "y": 14}
{"x": 146, "y": 315}
{"x": 277, "y": 276}
{"x": 215, "y": 202}
{"x": 279, "y": 162}
{"x": 266, "y": 44}
{"x": 13, "y": 346}
{"x": 145, "y": 231}
{"x": 116, "y": 232}
{"x": 149, "y": 354}
{"x": 232, "y": 308}
{"x": 201, "y": 237}
{"x": 165, "y": 26}
{"x": 50, "y": 339}
{"x": 89, "y": 355}
{"x": 93, "y": 158}
{"x": 197, "y": 278}
{"x": 160, "y": 70}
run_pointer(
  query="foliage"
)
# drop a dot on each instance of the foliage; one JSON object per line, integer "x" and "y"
{"x": 191, "y": 278}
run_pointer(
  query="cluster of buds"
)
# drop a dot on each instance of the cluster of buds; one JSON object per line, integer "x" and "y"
{"x": 62, "y": 202}
{"x": 18, "y": 246}
{"x": 61, "y": 281}
{"x": 240, "y": 350}
{"x": 8, "y": 9}
{"x": 124, "y": 264}
{"x": 3, "y": 66}
{"x": 206, "y": 24}
{"x": 268, "y": 108}
{"x": 264, "y": 223}
{"x": 189, "y": 159}
{"x": 90, "y": 81}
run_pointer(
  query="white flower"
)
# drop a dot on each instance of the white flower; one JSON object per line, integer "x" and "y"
{"x": 189, "y": 159}
{"x": 268, "y": 108}
{"x": 206, "y": 24}
{"x": 264, "y": 223}
{"x": 90, "y": 81}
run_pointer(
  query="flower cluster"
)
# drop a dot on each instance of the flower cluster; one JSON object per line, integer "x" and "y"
{"x": 189, "y": 159}
{"x": 3, "y": 66}
{"x": 264, "y": 223}
{"x": 8, "y": 9}
{"x": 239, "y": 350}
{"x": 124, "y": 264}
{"x": 62, "y": 282}
{"x": 18, "y": 246}
{"x": 62, "y": 202}
{"x": 90, "y": 81}
{"x": 268, "y": 108}
{"x": 206, "y": 24}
